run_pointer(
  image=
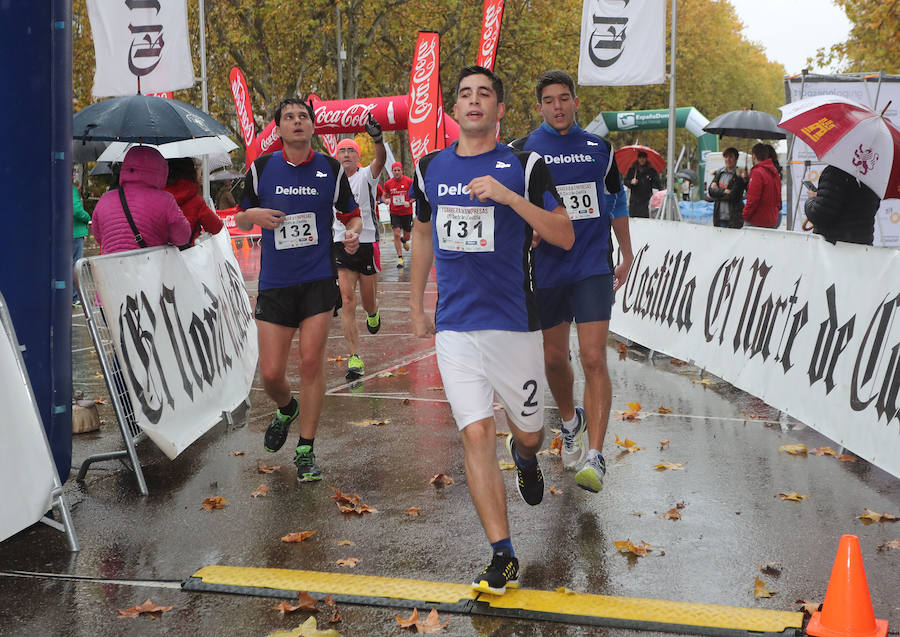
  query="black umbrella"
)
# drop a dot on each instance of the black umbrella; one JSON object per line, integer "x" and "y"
{"x": 690, "y": 175}
{"x": 748, "y": 124}
{"x": 139, "y": 118}
{"x": 83, "y": 152}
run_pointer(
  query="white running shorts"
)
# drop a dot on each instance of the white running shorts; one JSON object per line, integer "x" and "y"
{"x": 476, "y": 364}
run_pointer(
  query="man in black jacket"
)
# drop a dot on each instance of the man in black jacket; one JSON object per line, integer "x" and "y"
{"x": 641, "y": 179}
{"x": 727, "y": 190}
{"x": 843, "y": 208}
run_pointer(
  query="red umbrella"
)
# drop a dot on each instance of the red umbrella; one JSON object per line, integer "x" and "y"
{"x": 850, "y": 136}
{"x": 627, "y": 155}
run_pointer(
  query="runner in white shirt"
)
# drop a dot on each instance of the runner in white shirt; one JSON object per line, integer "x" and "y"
{"x": 363, "y": 266}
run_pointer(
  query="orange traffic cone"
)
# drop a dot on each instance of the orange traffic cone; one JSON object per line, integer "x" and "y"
{"x": 847, "y": 610}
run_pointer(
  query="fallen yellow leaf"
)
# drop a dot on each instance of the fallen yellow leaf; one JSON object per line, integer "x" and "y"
{"x": 635, "y": 406}
{"x": 793, "y": 496}
{"x": 261, "y": 490}
{"x": 870, "y": 516}
{"x": 565, "y": 591}
{"x": 506, "y": 465}
{"x": 297, "y": 537}
{"x": 625, "y": 546}
{"x": 555, "y": 491}
{"x": 798, "y": 449}
{"x": 306, "y": 629}
{"x": 846, "y": 457}
{"x": 629, "y": 445}
{"x": 345, "y": 543}
{"x": 264, "y": 469}
{"x": 664, "y": 410}
{"x": 760, "y": 590}
{"x": 413, "y": 511}
{"x": 350, "y": 562}
{"x": 147, "y": 607}
{"x": 665, "y": 464}
{"x": 671, "y": 514}
{"x": 440, "y": 480}
{"x": 215, "y": 502}
{"x": 237, "y": 453}
{"x": 807, "y": 607}
{"x": 663, "y": 444}
{"x": 824, "y": 451}
{"x": 702, "y": 381}
{"x": 889, "y": 546}
{"x": 369, "y": 422}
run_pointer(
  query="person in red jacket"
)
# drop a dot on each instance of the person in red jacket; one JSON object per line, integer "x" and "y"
{"x": 182, "y": 184}
{"x": 396, "y": 195}
{"x": 763, "y": 205}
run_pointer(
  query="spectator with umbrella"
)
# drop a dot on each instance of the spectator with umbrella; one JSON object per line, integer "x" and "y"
{"x": 763, "y": 205}
{"x": 727, "y": 191}
{"x": 842, "y": 208}
{"x": 182, "y": 184}
{"x": 641, "y": 179}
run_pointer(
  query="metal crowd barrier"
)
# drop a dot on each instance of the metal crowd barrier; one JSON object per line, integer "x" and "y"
{"x": 57, "y": 495}
{"x": 112, "y": 374}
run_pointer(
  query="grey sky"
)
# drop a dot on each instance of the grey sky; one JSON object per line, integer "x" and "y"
{"x": 792, "y": 30}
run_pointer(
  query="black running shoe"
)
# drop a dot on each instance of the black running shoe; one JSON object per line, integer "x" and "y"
{"x": 305, "y": 461}
{"x": 277, "y": 432}
{"x": 503, "y": 571}
{"x": 530, "y": 480}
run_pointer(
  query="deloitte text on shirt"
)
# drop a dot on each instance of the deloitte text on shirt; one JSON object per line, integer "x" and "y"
{"x": 581, "y": 165}
{"x": 482, "y": 249}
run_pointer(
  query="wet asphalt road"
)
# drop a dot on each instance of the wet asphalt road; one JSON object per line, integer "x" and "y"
{"x": 732, "y": 520}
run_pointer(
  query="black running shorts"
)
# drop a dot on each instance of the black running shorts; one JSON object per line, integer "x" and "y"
{"x": 404, "y": 222}
{"x": 366, "y": 260}
{"x": 291, "y": 305}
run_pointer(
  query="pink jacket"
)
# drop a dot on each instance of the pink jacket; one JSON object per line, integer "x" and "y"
{"x": 157, "y": 216}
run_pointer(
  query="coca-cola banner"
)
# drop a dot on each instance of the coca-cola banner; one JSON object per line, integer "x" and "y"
{"x": 622, "y": 43}
{"x": 267, "y": 141}
{"x": 242, "y": 105}
{"x": 183, "y": 333}
{"x": 819, "y": 343}
{"x": 350, "y": 116}
{"x": 490, "y": 33}
{"x": 424, "y": 96}
{"x": 330, "y": 142}
{"x": 140, "y": 43}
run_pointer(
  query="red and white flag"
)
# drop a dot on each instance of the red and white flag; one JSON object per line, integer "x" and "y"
{"x": 242, "y": 105}
{"x": 425, "y": 96}
{"x": 268, "y": 141}
{"x": 330, "y": 142}
{"x": 490, "y": 33}
{"x": 140, "y": 43}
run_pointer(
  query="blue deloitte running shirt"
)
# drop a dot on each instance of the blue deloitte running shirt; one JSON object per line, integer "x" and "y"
{"x": 483, "y": 253}
{"x": 298, "y": 251}
{"x": 587, "y": 179}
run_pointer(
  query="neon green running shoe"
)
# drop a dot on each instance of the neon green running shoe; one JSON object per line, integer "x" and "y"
{"x": 354, "y": 367}
{"x": 277, "y": 431}
{"x": 305, "y": 461}
{"x": 373, "y": 323}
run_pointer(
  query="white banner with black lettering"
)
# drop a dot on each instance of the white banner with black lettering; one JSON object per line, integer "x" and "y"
{"x": 26, "y": 467}
{"x": 819, "y": 342}
{"x": 184, "y": 336}
{"x": 622, "y": 43}
{"x": 140, "y": 40}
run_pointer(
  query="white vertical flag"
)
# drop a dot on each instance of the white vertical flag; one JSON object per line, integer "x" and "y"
{"x": 146, "y": 39}
{"x": 622, "y": 42}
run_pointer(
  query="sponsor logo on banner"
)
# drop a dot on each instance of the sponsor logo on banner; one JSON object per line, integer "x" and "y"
{"x": 490, "y": 33}
{"x": 330, "y": 142}
{"x": 424, "y": 96}
{"x": 626, "y": 120}
{"x": 353, "y": 116}
{"x": 818, "y": 343}
{"x": 622, "y": 43}
{"x": 140, "y": 46}
{"x": 242, "y": 105}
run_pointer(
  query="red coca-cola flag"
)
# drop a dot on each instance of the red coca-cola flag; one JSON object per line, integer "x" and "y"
{"x": 330, "y": 142}
{"x": 490, "y": 33}
{"x": 267, "y": 141}
{"x": 350, "y": 116}
{"x": 425, "y": 96}
{"x": 451, "y": 130}
{"x": 242, "y": 105}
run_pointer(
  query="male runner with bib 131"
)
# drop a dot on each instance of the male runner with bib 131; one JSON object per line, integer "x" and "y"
{"x": 579, "y": 283}
{"x": 293, "y": 195}
{"x": 477, "y": 203}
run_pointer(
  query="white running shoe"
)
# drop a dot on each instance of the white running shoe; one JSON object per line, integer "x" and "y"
{"x": 574, "y": 444}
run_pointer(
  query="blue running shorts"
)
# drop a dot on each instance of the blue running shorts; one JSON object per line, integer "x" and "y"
{"x": 585, "y": 301}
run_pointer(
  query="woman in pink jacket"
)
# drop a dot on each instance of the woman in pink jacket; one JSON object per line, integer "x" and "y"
{"x": 156, "y": 215}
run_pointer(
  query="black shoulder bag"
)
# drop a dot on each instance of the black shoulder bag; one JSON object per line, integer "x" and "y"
{"x": 137, "y": 233}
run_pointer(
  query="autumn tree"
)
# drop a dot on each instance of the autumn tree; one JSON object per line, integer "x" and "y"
{"x": 873, "y": 44}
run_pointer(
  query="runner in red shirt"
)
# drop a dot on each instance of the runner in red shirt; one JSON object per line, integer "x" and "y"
{"x": 396, "y": 194}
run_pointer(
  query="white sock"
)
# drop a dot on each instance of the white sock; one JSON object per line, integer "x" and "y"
{"x": 592, "y": 453}
{"x": 569, "y": 425}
